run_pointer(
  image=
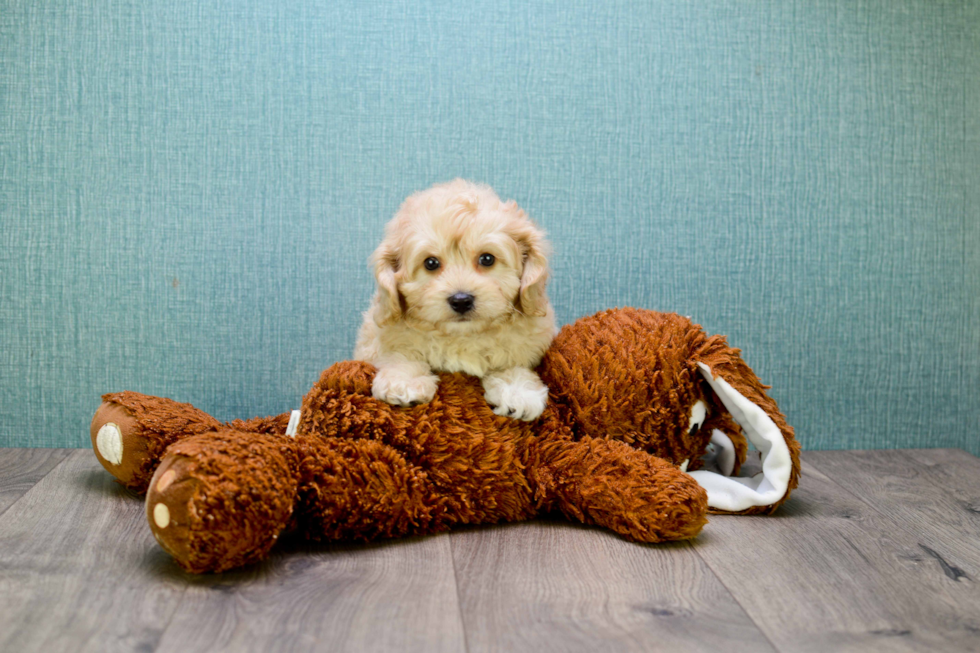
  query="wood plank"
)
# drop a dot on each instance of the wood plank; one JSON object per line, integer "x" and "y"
{"x": 934, "y": 492}
{"x": 393, "y": 596}
{"x": 829, "y": 572}
{"x": 876, "y": 551}
{"x": 555, "y": 586}
{"x": 79, "y": 569}
{"x": 20, "y": 469}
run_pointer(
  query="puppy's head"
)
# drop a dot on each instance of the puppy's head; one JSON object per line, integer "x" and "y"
{"x": 456, "y": 258}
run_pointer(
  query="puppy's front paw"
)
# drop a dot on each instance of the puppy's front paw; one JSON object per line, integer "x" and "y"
{"x": 403, "y": 388}
{"x": 517, "y": 393}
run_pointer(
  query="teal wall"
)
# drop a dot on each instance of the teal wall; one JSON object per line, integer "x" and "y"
{"x": 189, "y": 190}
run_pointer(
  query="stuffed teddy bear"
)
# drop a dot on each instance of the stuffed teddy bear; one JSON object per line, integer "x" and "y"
{"x": 646, "y": 424}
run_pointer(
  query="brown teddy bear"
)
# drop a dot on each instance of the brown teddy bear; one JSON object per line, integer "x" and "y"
{"x": 644, "y": 427}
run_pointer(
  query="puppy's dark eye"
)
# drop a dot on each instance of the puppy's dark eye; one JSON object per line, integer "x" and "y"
{"x": 486, "y": 260}
{"x": 431, "y": 263}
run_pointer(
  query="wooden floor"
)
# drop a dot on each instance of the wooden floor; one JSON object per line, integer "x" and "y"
{"x": 877, "y": 550}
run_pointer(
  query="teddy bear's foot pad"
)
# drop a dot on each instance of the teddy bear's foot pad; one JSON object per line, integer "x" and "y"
{"x": 170, "y": 505}
{"x": 118, "y": 443}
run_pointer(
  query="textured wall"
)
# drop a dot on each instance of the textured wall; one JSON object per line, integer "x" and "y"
{"x": 189, "y": 190}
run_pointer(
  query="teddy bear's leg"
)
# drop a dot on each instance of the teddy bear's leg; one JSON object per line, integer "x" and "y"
{"x": 362, "y": 489}
{"x": 130, "y": 432}
{"x": 611, "y": 484}
{"x": 220, "y": 500}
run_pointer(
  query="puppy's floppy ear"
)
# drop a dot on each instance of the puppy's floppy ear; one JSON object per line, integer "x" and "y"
{"x": 390, "y": 300}
{"x": 531, "y": 299}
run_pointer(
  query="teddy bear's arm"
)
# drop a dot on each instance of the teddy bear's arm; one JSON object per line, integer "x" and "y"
{"x": 611, "y": 484}
{"x": 347, "y": 376}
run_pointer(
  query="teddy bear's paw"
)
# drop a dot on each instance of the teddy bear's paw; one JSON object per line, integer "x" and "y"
{"x": 516, "y": 392}
{"x": 404, "y": 386}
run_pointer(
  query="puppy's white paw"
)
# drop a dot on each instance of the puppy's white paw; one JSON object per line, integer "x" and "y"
{"x": 401, "y": 387}
{"x": 517, "y": 393}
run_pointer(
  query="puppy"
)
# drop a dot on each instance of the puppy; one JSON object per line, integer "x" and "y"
{"x": 461, "y": 288}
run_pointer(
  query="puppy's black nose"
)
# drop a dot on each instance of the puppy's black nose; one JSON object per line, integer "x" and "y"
{"x": 461, "y": 302}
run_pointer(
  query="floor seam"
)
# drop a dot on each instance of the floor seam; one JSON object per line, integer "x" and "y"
{"x": 170, "y": 619}
{"x": 755, "y": 623}
{"x": 459, "y": 598}
{"x": 67, "y": 456}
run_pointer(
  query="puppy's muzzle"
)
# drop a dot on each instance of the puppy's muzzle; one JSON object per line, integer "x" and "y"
{"x": 461, "y": 302}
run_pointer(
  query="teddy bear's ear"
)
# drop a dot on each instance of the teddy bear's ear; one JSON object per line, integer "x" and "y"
{"x": 743, "y": 396}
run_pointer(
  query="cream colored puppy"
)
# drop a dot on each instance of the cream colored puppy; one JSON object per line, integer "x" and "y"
{"x": 461, "y": 288}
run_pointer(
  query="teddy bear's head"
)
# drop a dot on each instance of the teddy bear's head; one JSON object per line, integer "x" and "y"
{"x": 660, "y": 383}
